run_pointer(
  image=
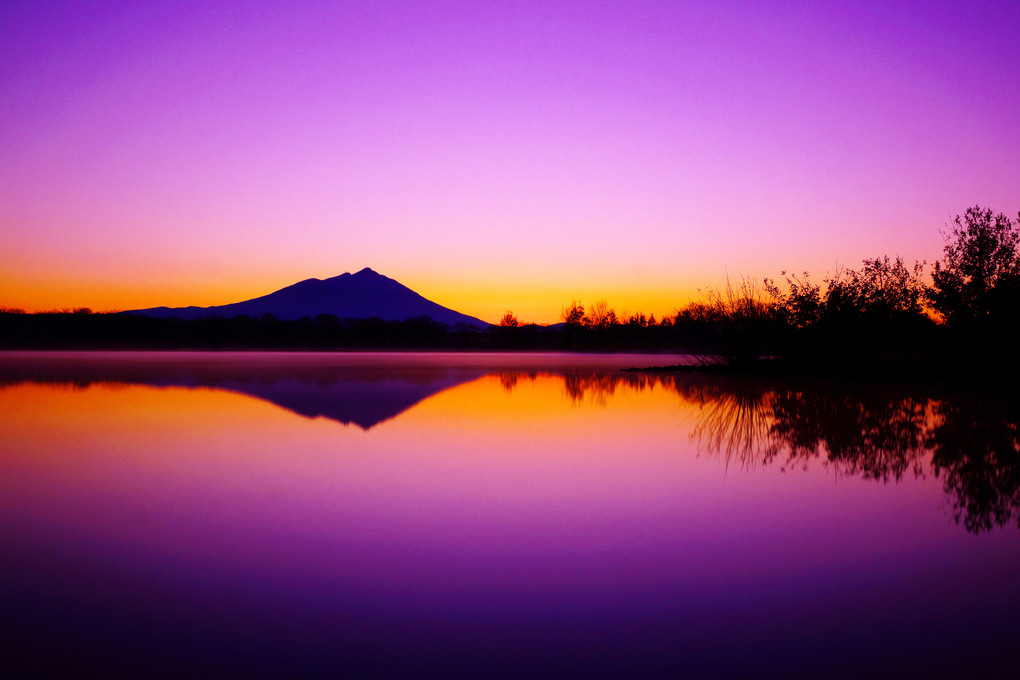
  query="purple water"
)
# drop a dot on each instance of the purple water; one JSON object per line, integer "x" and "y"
{"x": 363, "y": 515}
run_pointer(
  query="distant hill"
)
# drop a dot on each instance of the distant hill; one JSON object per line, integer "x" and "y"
{"x": 348, "y": 296}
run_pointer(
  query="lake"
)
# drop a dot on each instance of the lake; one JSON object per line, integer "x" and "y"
{"x": 498, "y": 515}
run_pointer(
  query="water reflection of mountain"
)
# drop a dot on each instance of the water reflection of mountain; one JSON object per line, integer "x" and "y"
{"x": 969, "y": 441}
{"x": 346, "y": 400}
{"x": 363, "y": 395}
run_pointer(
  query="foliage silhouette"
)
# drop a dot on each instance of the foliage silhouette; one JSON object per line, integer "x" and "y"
{"x": 600, "y": 316}
{"x": 879, "y": 307}
{"x": 976, "y": 286}
{"x": 738, "y": 323}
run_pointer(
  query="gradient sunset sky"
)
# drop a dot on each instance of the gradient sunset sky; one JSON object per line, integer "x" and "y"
{"x": 491, "y": 156}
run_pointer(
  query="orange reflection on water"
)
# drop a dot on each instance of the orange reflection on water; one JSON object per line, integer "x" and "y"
{"x": 536, "y": 452}
{"x": 501, "y": 408}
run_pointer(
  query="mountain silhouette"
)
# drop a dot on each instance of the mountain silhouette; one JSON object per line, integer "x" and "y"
{"x": 362, "y": 295}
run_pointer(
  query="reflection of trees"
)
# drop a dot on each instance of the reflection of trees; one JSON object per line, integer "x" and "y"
{"x": 582, "y": 385}
{"x": 600, "y": 386}
{"x": 976, "y": 451}
{"x": 735, "y": 424}
{"x": 880, "y": 436}
{"x": 876, "y": 433}
{"x": 875, "y": 436}
{"x": 509, "y": 379}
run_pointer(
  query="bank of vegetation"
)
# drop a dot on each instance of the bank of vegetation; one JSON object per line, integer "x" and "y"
{"x": 886, "y": 315}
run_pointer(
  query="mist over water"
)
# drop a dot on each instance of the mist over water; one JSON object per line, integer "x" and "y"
{"x": 497, "y": 515}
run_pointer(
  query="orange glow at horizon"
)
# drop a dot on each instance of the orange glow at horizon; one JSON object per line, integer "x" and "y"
{"x": 532, "y": 301}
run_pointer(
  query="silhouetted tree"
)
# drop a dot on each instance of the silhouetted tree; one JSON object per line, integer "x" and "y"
{"x": 978, "y": 277}
{"x": 881, "y": 291}
{"x": 573, "y": 320}
{"x": 600, "y": 316}
{"x": 801, "y": 304}
{"x": 573, "y": 314}
{"x": 879, "y": 307}
{"x": 508, "y": 331}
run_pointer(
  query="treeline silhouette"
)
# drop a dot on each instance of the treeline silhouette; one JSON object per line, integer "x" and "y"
{"x": 971, "y": 305}
{"x": 84, "y": 329}
{"x": 970, "y": 442}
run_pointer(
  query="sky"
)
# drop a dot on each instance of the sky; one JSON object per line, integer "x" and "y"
{"x": 492, "y": 156}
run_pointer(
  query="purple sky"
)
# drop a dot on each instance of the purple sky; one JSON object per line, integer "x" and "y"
{"x": 492, "y": 156}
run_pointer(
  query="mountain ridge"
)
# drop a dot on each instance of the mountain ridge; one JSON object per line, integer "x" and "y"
{"x": 362, "y": 295}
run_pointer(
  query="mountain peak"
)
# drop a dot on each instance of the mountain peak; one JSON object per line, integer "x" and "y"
{"x": 362, "y": 295}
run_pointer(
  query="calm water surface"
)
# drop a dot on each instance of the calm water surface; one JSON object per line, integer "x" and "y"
{"x": 487, "y": 515}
